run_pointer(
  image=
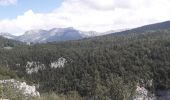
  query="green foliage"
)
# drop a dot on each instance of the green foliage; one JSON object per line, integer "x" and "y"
{"x": 121, "y": 91}
{"x": 72, "y": 95}
{"x": 100, "y": 68}
{"x": 6, "y": 73}
{"x": 8, "y": 43}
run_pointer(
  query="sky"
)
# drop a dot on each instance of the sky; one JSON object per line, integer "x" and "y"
{"x": 18, "y": 16}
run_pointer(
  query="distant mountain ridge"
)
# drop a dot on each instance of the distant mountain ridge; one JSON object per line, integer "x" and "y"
{"x": 157, "y": 26}
{"x": 7, "y": 35}
{"x": 54, "y": 35}
{"x": 66, "y": 34}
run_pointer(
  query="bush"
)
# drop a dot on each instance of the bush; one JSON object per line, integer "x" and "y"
{"x": 72, "y": 95}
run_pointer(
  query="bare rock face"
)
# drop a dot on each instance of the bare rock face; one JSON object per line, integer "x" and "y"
{"x": 143, "y": 94}
{"x": 59, "y": 64}
{"x": 22, "y": 87}
{"x": 34, "y": 67}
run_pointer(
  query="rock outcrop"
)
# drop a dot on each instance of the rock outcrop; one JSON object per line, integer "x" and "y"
{"x": 22, "y": 87}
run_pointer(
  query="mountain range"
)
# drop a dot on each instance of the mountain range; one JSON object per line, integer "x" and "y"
{"x": 66, "y": 34}
{"x": 55, "y": 34}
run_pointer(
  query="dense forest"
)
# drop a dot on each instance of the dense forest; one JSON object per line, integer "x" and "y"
{"x": 101, "y": 68}
{"x": 4, "y": 42}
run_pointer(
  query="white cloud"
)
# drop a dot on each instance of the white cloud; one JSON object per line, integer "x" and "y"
{"x": 97, "y": 15}
{"x": 7, "y": 2}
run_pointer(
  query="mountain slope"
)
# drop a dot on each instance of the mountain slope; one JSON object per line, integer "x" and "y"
{"x": 157, "y": 26}
{"x": 55, "y": 34}
{"x": 107, "y": 67}
{"x": 7, "y": 35}
{"x": 4, "y": 42}
{"x": 32, "y": 36}
{"x": 64, "y": 34}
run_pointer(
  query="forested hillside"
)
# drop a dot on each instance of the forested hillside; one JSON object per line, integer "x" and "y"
{"x": 4, "y": 42}
{"x": 100, "y": 68}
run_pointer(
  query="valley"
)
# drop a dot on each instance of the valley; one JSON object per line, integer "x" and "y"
{"x": 126, "y": 65}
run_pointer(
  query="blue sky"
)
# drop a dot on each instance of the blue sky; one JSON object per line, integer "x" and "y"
{"x": 18, "y": 16}
{"x": 38, "y": 6}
